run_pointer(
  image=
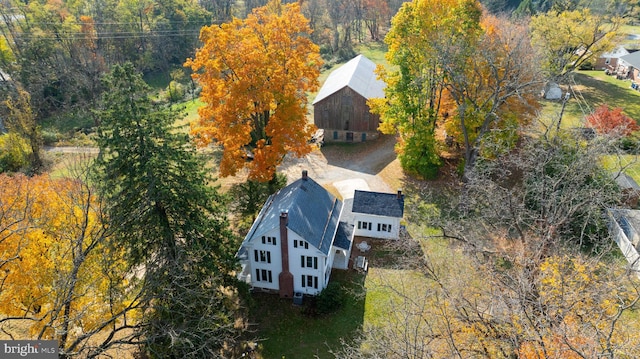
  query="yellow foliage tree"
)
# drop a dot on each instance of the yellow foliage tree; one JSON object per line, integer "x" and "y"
{"x": 60, "y": 278}
{"x": 254, "y": 75}
{"x": 568, "y": 39}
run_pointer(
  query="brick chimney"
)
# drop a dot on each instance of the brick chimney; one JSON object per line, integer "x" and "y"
{"x": 399, "y": 194}
{"x": 305, "y": 175}
{"x": 285, "y": 278}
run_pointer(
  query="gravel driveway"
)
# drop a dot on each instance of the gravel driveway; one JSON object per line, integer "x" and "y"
{"x": 336, "y": 163}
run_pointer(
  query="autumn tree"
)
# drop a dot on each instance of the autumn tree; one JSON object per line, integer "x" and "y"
{"x": 523, "y": 269}
{"x": 460, "y": 75}
{"x": 254, "y": 75}
{"x": 61, "y": 279}
{"x": 611, "y": 121}
{"x": 494, "y": 85}
{"x": 21, "y": 120}
{"x": 568, "y": 39}
{"x": 414, "y": 92}
{"x": 376, "y": 15}
{"x": 170, "y": 221}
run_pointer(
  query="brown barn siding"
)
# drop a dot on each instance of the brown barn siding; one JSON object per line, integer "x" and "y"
{"x": 345, "y": 110}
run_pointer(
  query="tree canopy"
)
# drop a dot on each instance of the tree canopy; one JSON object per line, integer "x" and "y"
{"x": 457, "y": 75}
{"x": 254, "y": 75}
{"x": 568, "y": 39}
{"x": 169, "y": 220}
{"x": 61, "y": 279}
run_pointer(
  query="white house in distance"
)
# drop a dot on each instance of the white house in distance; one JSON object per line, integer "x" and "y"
{"x": 302, "y": 232}
{"x": 377, "y": 215}
{"x": 625, "y": 227}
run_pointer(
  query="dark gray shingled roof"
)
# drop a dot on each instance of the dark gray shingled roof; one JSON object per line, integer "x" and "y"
{"x": 345, "y": 228}
{"x": 313, "y": 213}
{"x": 632, "y": 59}
{"x": 379, "y": 204}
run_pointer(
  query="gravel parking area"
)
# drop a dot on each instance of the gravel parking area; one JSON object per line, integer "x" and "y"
{"x": 335, "y": 163}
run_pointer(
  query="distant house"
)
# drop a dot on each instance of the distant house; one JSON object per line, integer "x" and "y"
{"x": 377, "y": 215}
{"x": 624, "y": 225}
{"x": 629, "y": 66}
{"x": 341, "y": 109}
{"x": 302, "y": 232}
{"x": 609, "y": 60}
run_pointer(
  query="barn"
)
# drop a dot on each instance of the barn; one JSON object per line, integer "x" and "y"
{"x": 341, "y": 109}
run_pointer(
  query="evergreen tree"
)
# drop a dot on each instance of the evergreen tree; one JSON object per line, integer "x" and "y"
{"x": 171, "y": 221}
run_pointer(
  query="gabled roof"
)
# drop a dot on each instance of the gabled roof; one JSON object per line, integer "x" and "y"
{"x": 358, "y": 74}
{"x": 632, "y": 59}
{"x": 313, "y": 213}
{"x": 618, "y": 52}
{"x": 379, "y": 204}
{"x": 625, "y": 181}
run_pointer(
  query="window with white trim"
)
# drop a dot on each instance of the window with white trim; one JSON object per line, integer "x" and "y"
{"x": 269, "y": 240}
{"x": 300, "y": 243}
{"x": 309, "y": 281}
{"x": 309, "y": 262}
{"x": 262, "y": 256}
{"x": 364, "y": 225}
{"x": 264, "y": 275}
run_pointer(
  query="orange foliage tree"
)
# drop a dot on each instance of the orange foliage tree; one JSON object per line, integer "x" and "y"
{"x": 254, "y": 75}
{"x": 59, "y": 277}
{"x": 611, "y": 121}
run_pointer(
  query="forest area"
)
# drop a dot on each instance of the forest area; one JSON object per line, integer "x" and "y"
{"x": 132, "y": 252}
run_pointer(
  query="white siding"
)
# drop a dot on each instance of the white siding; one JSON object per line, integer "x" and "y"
{"x": 314, "y": 267}
{"x": 625, "y": 245}
{"x": 269, "y": 260}
{"x": 367, "y": 225}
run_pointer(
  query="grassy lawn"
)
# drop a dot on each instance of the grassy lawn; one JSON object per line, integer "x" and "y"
{"x": 595, "y": 89}
{"x": 289, "y": 331}
{"x": 629, "y": 164}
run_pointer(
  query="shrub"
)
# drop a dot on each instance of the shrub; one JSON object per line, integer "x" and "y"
{"x": 174, "y": 92}
{"x": 330, "y": 299}
{"x": 608, "y": 121}
{"x": 14, "y": 153}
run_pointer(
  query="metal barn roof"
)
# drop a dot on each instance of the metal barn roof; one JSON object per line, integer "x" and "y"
{"x": 357, "y": 74}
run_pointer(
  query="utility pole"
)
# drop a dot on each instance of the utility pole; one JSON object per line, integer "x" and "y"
{"x": 564, "y": 103}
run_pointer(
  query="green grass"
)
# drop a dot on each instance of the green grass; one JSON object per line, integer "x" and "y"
{"x": 595, "y": 88}
{"x": 287, "y": 331}
{"x": 190, "y": 111}
{"x": 630, "y": 164}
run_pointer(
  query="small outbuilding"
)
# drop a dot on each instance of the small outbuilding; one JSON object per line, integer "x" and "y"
{"x": 377, "y": 215}
{"x": 341, "y": 109}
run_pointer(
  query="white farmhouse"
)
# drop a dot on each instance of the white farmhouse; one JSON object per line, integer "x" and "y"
{"x": 302, "y": 232}
{"x": 290, "y": 247}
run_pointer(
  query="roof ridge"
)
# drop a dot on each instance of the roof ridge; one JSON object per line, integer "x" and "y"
{"x": 326, "y": 223}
